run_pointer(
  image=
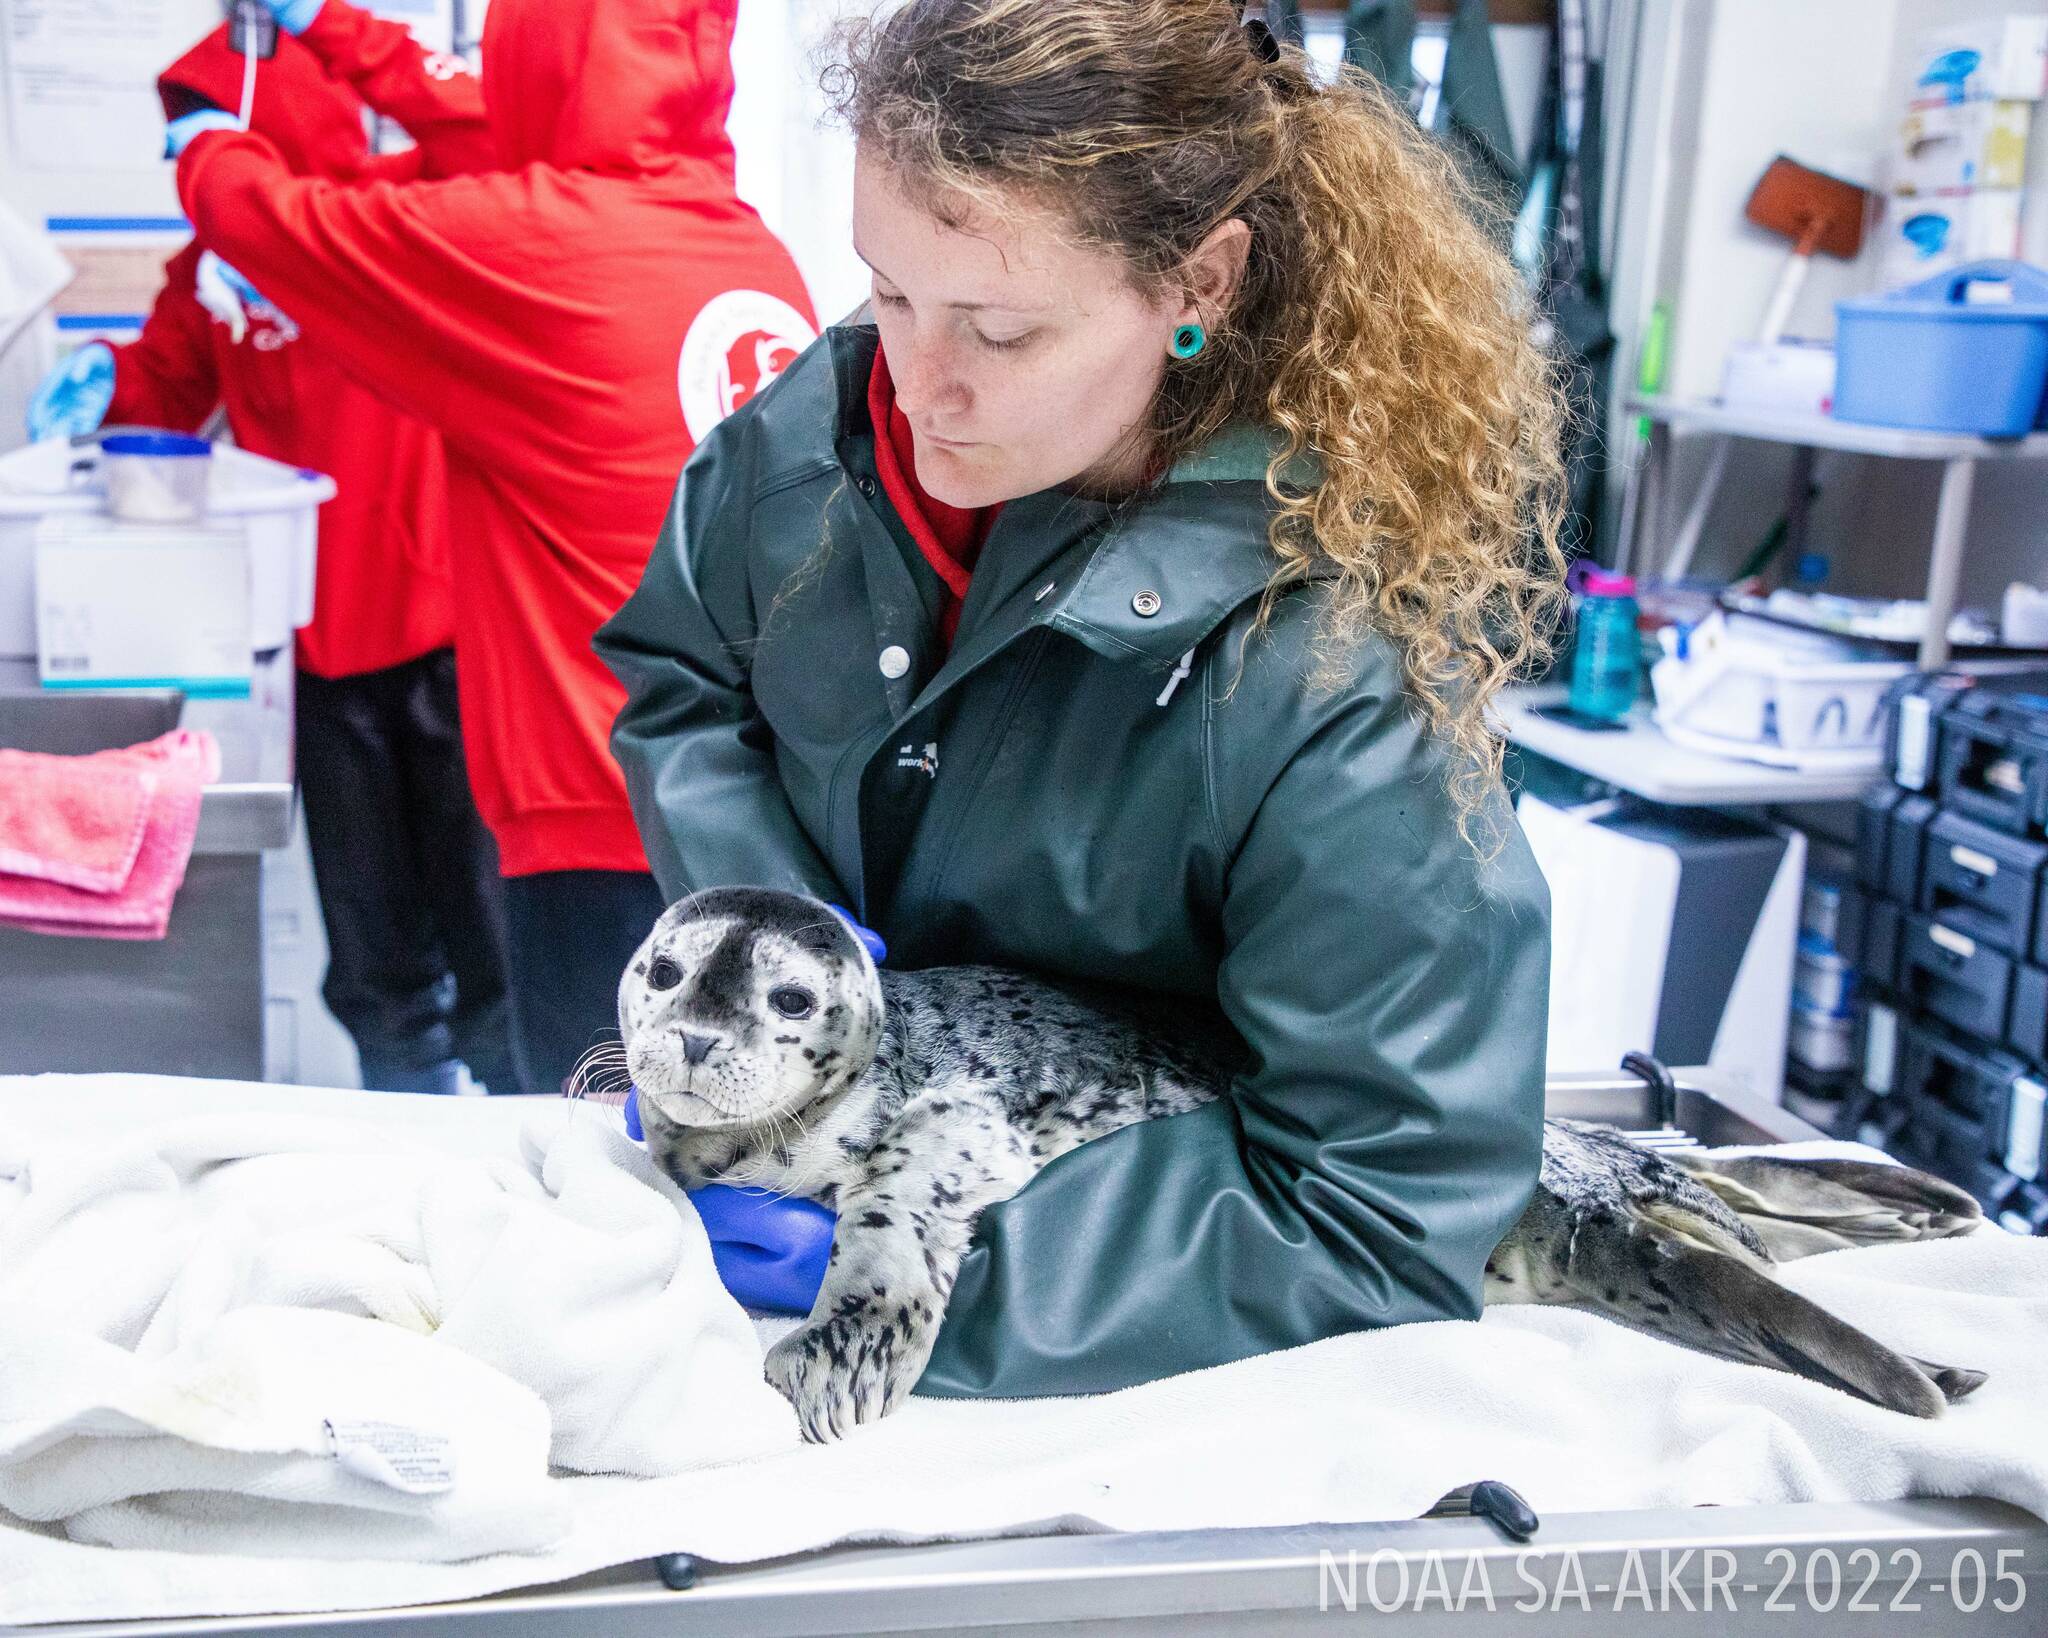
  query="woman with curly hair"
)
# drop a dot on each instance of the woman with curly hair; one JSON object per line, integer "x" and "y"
{"x": 1120, "y": 598}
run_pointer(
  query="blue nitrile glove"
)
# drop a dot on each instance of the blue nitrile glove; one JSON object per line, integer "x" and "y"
{"x": 73, "y": 398}
{"x": 770, "y": 1250}
{"x": 867, "y": 935}
{"x": 294, "y": 16}
{"x": 179, "y": 134}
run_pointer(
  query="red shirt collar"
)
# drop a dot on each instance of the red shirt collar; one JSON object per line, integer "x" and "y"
{"x": 950, "y": 538}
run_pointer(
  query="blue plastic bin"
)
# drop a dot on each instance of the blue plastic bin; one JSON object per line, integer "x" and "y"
{"x": 1929, "y": 356}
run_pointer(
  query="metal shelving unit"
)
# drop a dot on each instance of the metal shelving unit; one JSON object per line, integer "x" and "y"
{"x": 1959, "y": 455}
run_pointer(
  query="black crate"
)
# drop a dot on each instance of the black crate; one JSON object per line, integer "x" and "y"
{"x": 1938, "y": 1141}
{"x": 1990, "y": 1182}
{"x": 1905, "y": 849}
{"x": 2023, "y": 1150}
{"x": 1914, "y": 710}
{"x": 1873, "y": 833}
{"x": 1993, "y": 750}
{"x": 2027, "y": 1027}
{"x": 1870, "y": 1117}
{"x": 2025, "y": 1210}
{"x": 1983, "y": 881}
{"x": 1880, "y": 1042}
{"x": 1959, "y": 979}
{"x": 1959, "y": 1094}
{"x": 1877, "y": 951}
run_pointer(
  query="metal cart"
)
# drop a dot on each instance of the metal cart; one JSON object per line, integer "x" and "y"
{"x": 191, "y": 1003}
{"x": 1894, "y": 1569}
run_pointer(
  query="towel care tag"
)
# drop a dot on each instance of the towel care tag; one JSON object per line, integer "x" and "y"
{"x": 400, "y": 1458}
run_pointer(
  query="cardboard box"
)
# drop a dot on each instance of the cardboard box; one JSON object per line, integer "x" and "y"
{"x": 1922, "y": 236}
{"x": 1994, "y": 57}
{"x": 131, "y": 606}
{"x": 1958, "y": 147}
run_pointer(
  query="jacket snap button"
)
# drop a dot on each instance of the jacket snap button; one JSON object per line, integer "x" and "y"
{"x": 867, "y": 487}
{"x": 894, "y": 661}
{"x": 1145, "y": 604}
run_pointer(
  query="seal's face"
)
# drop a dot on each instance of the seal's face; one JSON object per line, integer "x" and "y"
{"x": 745, "y": 1004}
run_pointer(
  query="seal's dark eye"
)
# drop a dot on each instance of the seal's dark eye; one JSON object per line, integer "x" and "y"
{"x": 792, "y": 1000}
{"x": 663, "y": 974}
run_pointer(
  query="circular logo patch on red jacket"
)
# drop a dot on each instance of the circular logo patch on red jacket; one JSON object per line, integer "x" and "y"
{"x": 738, "y": 343}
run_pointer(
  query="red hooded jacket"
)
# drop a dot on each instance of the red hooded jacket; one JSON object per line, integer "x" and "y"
{"x": 383, "y": 594}
{"x": 571, "y": 324}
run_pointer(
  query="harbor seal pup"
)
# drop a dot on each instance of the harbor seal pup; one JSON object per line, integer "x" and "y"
{"x": 769, "y": 1050}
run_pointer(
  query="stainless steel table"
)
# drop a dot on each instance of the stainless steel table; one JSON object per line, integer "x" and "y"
{"x": 1895, "y": 1569}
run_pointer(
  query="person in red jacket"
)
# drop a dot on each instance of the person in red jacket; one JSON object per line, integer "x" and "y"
{"x": 570, "y": 323}
{"x": 407, "y": 875}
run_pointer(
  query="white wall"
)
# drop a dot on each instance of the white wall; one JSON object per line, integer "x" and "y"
{"x": 1721, "y": 87}
{"x": 796, "y": 165}
{"x": 142, "y": 188}
{"x": 1888, "y": 515}
{"x": 1803, "y": 79}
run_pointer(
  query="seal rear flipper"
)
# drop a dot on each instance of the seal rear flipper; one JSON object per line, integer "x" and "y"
{"x": 1673, "y": 1287}
{"x": 1956, "y": 1382}
{"x": 1800, "y": 1207}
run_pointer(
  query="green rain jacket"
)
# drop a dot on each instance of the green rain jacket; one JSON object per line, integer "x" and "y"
{"x": 1088, "y": 788}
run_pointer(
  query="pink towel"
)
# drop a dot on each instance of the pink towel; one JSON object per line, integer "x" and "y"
{"x": 72, "y": 819}
{"x": 97, "y": 845}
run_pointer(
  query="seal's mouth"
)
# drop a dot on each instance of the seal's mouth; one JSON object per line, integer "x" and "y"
{"x": 693, "y": 1109}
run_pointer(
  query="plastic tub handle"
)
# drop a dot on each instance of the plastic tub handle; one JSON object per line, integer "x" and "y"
{"x": 2028, "y": 283}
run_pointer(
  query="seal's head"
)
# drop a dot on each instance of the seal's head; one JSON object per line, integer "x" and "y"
{"x": 744, "y": 1004}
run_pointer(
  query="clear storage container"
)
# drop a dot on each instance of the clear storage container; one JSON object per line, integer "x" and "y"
{"x": 156, "y": 477}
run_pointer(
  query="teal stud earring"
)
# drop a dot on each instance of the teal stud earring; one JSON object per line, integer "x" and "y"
{"x": 1189, "y": 340}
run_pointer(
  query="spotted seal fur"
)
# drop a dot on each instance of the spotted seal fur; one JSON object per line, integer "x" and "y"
{"x": 769, "y": 1050}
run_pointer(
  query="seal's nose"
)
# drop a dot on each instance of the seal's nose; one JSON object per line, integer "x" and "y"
{"x": 696, "y": 1048}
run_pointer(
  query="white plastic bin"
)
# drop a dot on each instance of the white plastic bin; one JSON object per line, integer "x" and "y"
{"x": 1773, "y": 694}
{"x": 279, "y": 503}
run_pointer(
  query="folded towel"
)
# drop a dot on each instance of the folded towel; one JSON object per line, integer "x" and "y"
{"x": 96, "y": 846}
{"x": 77, "y": 820}
{"x": 286, "y": 1334}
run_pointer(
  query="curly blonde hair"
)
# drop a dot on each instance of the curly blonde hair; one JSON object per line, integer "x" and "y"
{"x": 1378, "y": 325}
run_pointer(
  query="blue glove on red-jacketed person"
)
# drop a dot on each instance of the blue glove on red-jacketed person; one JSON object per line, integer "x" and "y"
{"x": 72, "y": 399}
{"x": 294, "y": 16}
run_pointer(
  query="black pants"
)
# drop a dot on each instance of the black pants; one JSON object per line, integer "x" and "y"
{"x": 407, "y": 876}
{"x": 572, "y": 934}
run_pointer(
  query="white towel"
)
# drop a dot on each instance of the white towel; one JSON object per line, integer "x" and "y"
{"x": 203, "y": 1318}
{"x": 1575, "y": 1412}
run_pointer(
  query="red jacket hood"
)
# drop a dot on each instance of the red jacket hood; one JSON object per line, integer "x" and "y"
{"x": 619, "y": 87}
{"x": 315, "y": 122}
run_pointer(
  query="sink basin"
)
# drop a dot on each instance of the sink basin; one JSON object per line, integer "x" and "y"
{"x": 1712, "y": 1110}
{"x": 64, "y": 724}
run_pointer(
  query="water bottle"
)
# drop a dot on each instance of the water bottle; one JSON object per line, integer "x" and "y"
{"x": 1605, "y": 655}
